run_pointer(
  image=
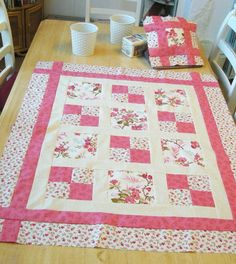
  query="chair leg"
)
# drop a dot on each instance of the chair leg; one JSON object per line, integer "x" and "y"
{"x": 87, "y": 11}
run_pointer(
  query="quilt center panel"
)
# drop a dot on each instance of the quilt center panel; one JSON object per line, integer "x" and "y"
{"x": 130, "y": 148}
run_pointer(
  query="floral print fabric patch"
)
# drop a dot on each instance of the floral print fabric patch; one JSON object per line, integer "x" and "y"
{"x": 128, "y": 119}
{"x": 182, "y": 152}
{"x": 173, "y": 97}
{"x": 75, "y": 145}
{"x": 130, "y": 187}
{"x": 84, "y": 91}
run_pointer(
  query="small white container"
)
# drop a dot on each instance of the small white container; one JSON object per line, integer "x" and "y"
{"x": 120, "y": 26}
{"x": 83, "y": 38}
{"x": 134, "y": 45}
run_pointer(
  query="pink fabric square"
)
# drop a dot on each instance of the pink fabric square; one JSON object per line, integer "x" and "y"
{"x": 120, "y": 142}
{"x": 87, "y": 120}
{"x": 60, "y": 174}
{"x": 202, "y": 198}
{"x": 185, "y": 127}
{"x": 119, "y": 89}
{"x": 140, "y": 156}
{"x": 80, "y": 191}
{"x": 177, "y": 181}
{"x": 10, "y": 230}
{"x": 166, "y": 116}
{"x": 72, "y": 109}
{"x": 136, "y": 98}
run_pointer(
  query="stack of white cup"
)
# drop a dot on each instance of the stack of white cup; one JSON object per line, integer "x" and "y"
{"x": 120, "y": 26}
{"x": 83, "y": 38}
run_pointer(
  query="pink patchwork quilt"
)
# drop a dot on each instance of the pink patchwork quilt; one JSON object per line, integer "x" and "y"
{"x": 120, "y": 158}
{"x": 172, "y": 42}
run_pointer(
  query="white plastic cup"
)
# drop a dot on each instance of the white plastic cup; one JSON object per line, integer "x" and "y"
{"x": 83, "y": 38}
{"x": 120, "y": 26}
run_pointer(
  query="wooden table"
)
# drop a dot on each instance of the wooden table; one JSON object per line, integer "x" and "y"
{"x": 52, "y": 43}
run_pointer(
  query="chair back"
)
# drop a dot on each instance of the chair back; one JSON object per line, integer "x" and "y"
{"x": 6, "y": 45}
{"x": 91, "y": 8}
{"x": 223, "y": 59}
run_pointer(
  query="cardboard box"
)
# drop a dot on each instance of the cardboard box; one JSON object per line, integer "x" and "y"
{"x": 134, "y": 45}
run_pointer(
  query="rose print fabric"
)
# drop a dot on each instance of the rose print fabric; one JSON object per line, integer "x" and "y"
{"x": 131, "y": 187}
{"x": 128, "y": 119}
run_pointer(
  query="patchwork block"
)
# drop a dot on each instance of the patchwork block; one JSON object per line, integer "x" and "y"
{"x": 174, "y": 98}
{"x": 124, "y": 119}
{"x": 130, "y": 187}
{"x": 84, "y": 91}
{"x": 168, "y": 122}
{"x": 73, "y": 145}
{"x": 185, "y": 190}
{"x": 129, "y": 149}
{"x": 128, "y": 94}
{"x": 79, "y": 115}
{"x": 183, "y": 153}
{"x": 70, "y": 183}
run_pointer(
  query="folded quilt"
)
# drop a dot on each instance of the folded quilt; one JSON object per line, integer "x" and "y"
{"x": 172, "y": 42}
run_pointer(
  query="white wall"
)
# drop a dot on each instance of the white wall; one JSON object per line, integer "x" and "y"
{"x": 76, "y": 8}
{"x": 208, "y": 14}
{"x": 220, "y": 10}
{"x": 65, "y": 8}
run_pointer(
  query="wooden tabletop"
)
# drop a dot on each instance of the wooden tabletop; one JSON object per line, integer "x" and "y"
{"x": 52, "y": 43}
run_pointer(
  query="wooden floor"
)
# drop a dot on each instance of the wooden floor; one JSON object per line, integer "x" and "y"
{"x": 18, "y": 254}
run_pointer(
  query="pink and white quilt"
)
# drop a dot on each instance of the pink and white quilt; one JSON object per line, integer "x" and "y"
{"x": 172, "y": 42}
{"x": 120, "y": 158}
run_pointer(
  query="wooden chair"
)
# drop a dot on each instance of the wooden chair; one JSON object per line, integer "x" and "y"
{"x": 7, "y": 56}
{"x": 223, "y": 52}
{"x": 92, "y": 9}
